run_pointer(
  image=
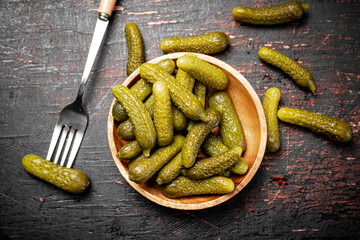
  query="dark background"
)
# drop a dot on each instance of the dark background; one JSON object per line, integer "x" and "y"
{"x": 308, "y": 189}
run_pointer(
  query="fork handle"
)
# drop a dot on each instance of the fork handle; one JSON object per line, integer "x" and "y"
{"x": 107, "y": 7}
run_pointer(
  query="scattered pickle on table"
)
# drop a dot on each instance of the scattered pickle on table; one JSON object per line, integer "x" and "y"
{"x": 333, "y": 128}
{"x": 270, "y": 105}
{"x": 208, "y": 43}
{"x": 298, "y": 73}
{"x": 68, "y": 179}
{"x": 287, "y": 12}
{"x": 136, "y": 53}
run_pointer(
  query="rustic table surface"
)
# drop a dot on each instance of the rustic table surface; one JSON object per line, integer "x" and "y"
{"x": 309, "y": 189}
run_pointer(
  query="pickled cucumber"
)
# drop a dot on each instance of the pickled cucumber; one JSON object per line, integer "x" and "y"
{"x": 129, "y": 151}
{"x": 68, "y": 179}
{"x": 200, "y": 93}
{"x": 163, "y": 117}
{"x": 126, "y": 130}
{"x": 270, "y": 105}
{"x": 211, "y": 166}
{"x": 183, "y": 186}
{"x": 333, "y": 128}
{"x": 214, "y": 147}
{"x": 180, "y": 120}
{"x": 183, "y": 98}
{"x": 144, "y": 129}
{"x": 208, "y": 43}
{"x": 118, "y": 112}
{"x": 135, "y": 47}
{"x": 170, "y": 171}
{"x": 203, "y": 71}
{"x": 142, "y": 89}
{"x": 143, "y": 169}
{"x": 298, "y": 73}
{"x": 283, "y": 13}
{"x": 196, "y": 136}
{"x": 231, "y": 130}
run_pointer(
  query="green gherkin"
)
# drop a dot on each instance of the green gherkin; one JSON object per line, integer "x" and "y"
{"x": 203, "y": 71}
{"x": 183, "y": 98}
{"x": 208, "y": 43}
{"x": 333, "y": 128}
{"x": 126, "y": 130}
{"x": 135, "y": 47}
{"x": 196, "y": 136}
{"x": 129, "y": 151}
{"x": 163, "y": 117}
{"x": 270, "y": 105}
{"x": 144, "y": 129}
{"x": 183, "y": 186}
{"x": 180, "y": 120}
{"x": 68, "y": 179}
{"x": 144, "y": 168}
{"x": 214, "y": 147}
{"x": 208, "y": 167}
{"x": 170, "y": 171}
{"x": 290, "y": 11}
{"x": 297, "y": 72}
{"x": 231, "y": 130}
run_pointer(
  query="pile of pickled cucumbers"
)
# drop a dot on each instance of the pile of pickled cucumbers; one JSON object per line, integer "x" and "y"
{"x": 166, "y": 125}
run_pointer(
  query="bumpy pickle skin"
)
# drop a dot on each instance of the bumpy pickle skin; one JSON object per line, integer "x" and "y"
{"x": 68, "y": 179}
{"x": 125, "y": 130}
{"x": 163, "y": 117}
{"x": 200, "y": 93}
{"x": 208, "y": 43}
{"x": 142, "y": 89}
{"x": 183, "y": 98}
{"x": 180, "y": 120}
{"x": 118, "y": 112}
{"x": 298, "y": 73}
{"x": 129, "y": 151}
{"x": 214, "y": 147}
{"x": 196, "y": 136}
{"x": 270, "y": 105}
{"x": 203, "y": 71}
{"x": 170, "y": 171}
{"x": 287, "y": 12}
{"x": 135, "y": 47}
{"x": 333, "y": 128}
{"x": 183, "y": 186}
{"x": 144, "y": 129}
{"x": 231, "y": 130}
{"x": 211, "y": 166}
{"x": 143, "y": 169}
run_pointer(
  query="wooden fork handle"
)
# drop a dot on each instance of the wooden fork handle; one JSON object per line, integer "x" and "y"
{"x": 106, "y": 6}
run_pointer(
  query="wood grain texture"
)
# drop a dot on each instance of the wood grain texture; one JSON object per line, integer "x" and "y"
{"x": 308, "y": 189}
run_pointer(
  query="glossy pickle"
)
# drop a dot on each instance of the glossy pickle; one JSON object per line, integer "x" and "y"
{"x": 68, "y": 179}
{"x": 287, "y": 12}
{"x": 170, "y": 171}
{"x": 298, "y": 73}
{"x": 231, "y": 130}
{"x": 129, "y": 151}
{"x": 333, "y": 128}
{"x": 163, "y": 116}
{"x": 183, "y": 186}
{"x": 144, "y": 129}
{"x": 203, "y": 71}
{"x": 270, "y": 105}
{"x": 145, "y": 168}
{"x": 208, "y": 43}
{"x": 136, "y": 53}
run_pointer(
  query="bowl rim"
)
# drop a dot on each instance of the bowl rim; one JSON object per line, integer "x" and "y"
{"x": 250, "y": 174}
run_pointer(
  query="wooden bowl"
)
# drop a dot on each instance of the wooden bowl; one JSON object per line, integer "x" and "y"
{"x": 251, "y": 114}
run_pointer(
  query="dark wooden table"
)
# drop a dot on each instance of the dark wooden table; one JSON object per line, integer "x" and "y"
{"x": 308, "y": 189}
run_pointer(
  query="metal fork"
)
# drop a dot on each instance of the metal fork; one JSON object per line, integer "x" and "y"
{"x": 73, "y": 119}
